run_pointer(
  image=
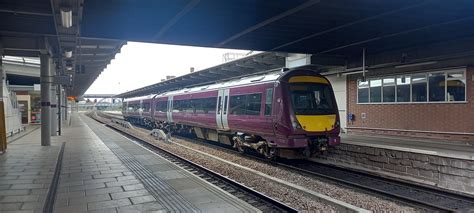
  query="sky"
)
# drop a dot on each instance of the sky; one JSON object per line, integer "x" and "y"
{"x": 141, "y": 64}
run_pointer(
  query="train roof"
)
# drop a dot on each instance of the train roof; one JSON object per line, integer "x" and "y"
{"x": 245, "y": 80}
{"x": 140, "y": 98}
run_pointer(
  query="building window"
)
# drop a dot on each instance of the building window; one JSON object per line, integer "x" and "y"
{"x": 439, "y": 86}
{"x": 388, "y": 90}
{"x": 456, "y": 86}
{"x": 403, "y": 88}
{"x": 418, "y": 88}
{"x": 375, "y": 90}
{"x": 363, "y": 92}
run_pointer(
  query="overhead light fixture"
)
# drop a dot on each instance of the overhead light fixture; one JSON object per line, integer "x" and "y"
{"x": 69, "y": 68}
{"x": 416, "y": 64}
{"x": 66, "y": 17}
{"x": 68, "y": 53}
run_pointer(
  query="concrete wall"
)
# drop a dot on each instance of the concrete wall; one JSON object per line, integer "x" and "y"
{"x": 449, "y": 173}
{"x": 340, "y": 91}
{"x": 447, "y": 121}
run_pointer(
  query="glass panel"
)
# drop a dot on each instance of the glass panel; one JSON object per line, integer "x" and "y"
{"x": 268, "y": 101}
{"x": 456, "y": 74}
{"x": 210, "y": 105}
{"x": 403, "y": 88}
{"x": 375, "y": 91}
{"x": 363, "y": 95}
{"x": 437, "y": 83}
{"x": 418, "y": 88}
{"x": 456, "y": 90}
{"x": 312, "y": 99}
{"x": 237, "y": 104}
{"x": 363, "y": 84}
{"x": 254, "y": 104}
{"x": 389, "y": 90}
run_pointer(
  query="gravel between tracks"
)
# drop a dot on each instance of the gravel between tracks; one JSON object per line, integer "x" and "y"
{"x": 280, "y": 192}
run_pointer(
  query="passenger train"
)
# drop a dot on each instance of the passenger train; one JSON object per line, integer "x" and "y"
{"x": 290, "y": 113}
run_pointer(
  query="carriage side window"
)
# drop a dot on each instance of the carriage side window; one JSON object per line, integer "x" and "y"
{"x": 146, "y": 107}
{"x": 254, "y": 103}
{"x": 237, "y": 104}
{"x": 268, "y": 101}
{"x": 209, "y": 105}
{"x": 245, "y": 104}
{"x": 161, "y": 106}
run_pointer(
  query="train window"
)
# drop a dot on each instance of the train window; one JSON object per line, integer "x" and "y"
{"x": 237, "y": 104}
{"x": 437, "y": 86}
{"x": 311, "y": 99}
{"x": 375, "y": 90}
{"x": 245, "y": 104}
{"x": 268, "y": 101}
{"x": 225, "y": 104}
{"x": 146, "y": 107}
{"x": 160, "y": 106}
{"x": 403, "y": 88}
{"x": 363, "y": 92}
{"x": 209, "y": 105}
{"x": 254, "y": 103}
{"x": 456, "y": 86}
{"x": 389, "y": 90}
{"x": 418, "y": 88}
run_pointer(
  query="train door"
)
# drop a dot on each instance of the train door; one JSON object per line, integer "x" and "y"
{"x": 222, "y": 108}
{"x": 169, "y": 112}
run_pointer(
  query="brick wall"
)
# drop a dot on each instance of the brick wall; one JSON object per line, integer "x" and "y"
{"x": 442, "y": 117}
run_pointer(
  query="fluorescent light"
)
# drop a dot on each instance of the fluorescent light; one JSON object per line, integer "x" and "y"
{"x": 416, "y": 64}
{"x": 68, "y": 53}
{"x": 66, "y": 17}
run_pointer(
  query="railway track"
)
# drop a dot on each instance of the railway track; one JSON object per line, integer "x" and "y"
{"x": 256, "y": 199}
{"x": 417, "y": 195}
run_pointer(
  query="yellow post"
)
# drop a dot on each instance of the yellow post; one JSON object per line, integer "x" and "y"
{"x": 3, "y": 132}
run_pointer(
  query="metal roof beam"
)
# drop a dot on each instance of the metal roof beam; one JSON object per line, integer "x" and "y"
{"x": 268, "y": 21}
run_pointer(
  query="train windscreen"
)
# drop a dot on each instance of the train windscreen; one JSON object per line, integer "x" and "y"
{"x": 312, "y": 99}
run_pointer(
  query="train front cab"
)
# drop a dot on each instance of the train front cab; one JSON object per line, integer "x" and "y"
{"x": 313, "y": 123}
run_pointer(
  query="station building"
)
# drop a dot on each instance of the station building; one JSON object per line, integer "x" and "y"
{"x": 426, "y": 97}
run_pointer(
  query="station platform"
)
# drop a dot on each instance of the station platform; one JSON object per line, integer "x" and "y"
{"x": 102, "y": 171}
{"x": 449, "y": 149}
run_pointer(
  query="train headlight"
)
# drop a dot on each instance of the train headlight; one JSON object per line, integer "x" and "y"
{"x": 295, "y": 125}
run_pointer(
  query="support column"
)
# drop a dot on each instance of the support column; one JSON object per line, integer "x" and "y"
{"x": 54, "y": 111}
{"x": 3, "y": 131}
{"x": 46, "y": 82}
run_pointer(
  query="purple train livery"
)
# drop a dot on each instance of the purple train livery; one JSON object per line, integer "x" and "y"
{"x": 290, "y": 113}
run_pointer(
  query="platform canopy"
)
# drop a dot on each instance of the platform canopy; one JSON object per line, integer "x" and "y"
{"x": 240, "y": 67}
{"x": 324, "y": 28}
